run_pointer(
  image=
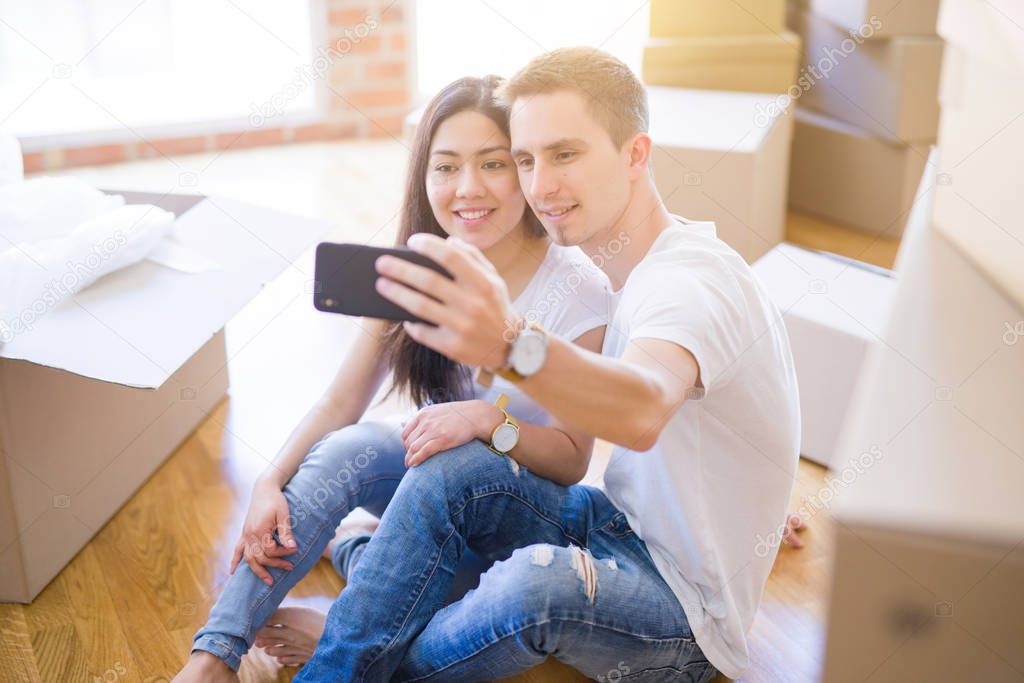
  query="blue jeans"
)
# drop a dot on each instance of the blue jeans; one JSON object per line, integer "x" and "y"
{"x": 572, "y": 581}
{"x": 358, "y": 466}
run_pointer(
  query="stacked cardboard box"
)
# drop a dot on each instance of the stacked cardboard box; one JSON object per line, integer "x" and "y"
{"x": 849, "y": 176}
{"x": 709, "y": 44}
{"x": 979, "y": 204}
{"x": 929, "y": 560}
{"x": 722, "y": 156}
{"x": 868, "y": 92}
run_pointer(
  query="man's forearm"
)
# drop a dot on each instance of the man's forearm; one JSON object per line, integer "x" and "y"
{"x": 605, "y": 397}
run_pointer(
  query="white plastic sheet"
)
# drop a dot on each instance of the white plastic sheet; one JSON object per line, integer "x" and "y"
{"x": 59, "y": 235}
{"x": 36, "y": 276}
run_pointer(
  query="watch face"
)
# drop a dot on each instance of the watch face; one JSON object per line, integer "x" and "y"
{"x": 505, "y": 438}
{"x": 529, "y": 352}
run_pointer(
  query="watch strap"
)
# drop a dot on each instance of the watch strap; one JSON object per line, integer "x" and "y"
{"x": 502, "y": 403}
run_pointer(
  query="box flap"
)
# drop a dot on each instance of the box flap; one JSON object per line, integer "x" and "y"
{"x": 136, "y": 326}
{"x": 848, "y": 296}
{"x": 736, "y": 122}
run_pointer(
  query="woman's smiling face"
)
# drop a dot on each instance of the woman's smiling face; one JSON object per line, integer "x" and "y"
{"x": 471, "y": 182}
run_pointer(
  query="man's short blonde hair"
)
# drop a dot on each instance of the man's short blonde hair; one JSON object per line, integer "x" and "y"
{"x": 614, "y": 94}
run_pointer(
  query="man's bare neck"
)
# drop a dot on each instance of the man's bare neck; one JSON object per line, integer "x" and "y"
{"x": 619, "y": 249}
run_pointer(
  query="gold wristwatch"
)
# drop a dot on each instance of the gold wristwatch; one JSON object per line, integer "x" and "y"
{"x": 506, "y": 435}
{"x": 527, "y": 354}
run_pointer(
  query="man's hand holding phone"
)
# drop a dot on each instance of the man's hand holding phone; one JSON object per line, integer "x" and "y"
{"x": 473, "y": 314}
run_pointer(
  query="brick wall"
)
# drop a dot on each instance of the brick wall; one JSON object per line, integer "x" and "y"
{"x": 364, "y": 68}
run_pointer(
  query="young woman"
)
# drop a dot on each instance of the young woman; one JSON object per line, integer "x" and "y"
{"x": 461, "y": 183}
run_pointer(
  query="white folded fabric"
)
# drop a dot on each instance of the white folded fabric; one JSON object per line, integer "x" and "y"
{"x": 37, "y": 275}
{"x": 41, "y": 208}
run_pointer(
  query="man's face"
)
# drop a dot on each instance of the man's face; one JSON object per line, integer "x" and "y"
{"x": 573, "y": 176}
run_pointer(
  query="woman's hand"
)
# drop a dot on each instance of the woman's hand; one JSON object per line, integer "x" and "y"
{"x": 268, "y": 512}
{"x": 439, "y": 427}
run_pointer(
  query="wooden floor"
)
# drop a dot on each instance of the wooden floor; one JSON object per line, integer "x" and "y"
{"x": 126, "y": 607}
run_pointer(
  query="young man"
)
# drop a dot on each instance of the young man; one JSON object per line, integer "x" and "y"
{"x": 660, "y": 577}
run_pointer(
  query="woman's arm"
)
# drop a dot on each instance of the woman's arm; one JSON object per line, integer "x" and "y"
{"x": 342, "y": 404}
{"x": 556, "y": 452}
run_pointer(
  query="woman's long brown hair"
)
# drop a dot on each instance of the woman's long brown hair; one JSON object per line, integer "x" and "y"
{"x": 424, "y": 374}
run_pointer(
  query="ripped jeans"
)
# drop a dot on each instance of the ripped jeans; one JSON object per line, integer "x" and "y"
{"x": 571, "y": 580}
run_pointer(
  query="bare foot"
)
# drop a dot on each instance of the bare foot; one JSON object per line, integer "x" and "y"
{"x": 355, "y": 524}
{"x": 794, "y": 523}
{"x": 291, "y": 634}
{"x": 202, "y": 667}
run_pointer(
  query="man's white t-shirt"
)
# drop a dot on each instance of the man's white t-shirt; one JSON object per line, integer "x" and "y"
{"x": 709, "y": 497}
{"x": 568, "y": 296}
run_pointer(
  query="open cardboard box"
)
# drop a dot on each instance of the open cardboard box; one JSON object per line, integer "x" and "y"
{"x": 98, "y": 391}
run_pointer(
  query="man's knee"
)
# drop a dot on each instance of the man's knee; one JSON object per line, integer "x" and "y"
{"x": 543, "y": 583}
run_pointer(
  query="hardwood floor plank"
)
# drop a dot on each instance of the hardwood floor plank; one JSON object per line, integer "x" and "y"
{"x": 59, "y": 653}
{"x": 17, "y": 659}
{"x": 140, "y": 563}
{"x": 105, "y": 647}
{"x": 815, "y": 233}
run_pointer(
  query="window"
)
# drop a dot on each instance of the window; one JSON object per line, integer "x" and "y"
{"x": 102, "y": 70}
{"x": 478, "y": 37}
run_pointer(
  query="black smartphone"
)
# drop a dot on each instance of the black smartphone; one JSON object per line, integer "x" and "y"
{"x": 345, "y": 277}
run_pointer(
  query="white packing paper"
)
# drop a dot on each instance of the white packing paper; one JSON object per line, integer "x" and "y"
{"x": 37, "y": 276}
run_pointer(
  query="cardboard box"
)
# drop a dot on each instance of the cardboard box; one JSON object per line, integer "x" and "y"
{"x": 755, "y": 63}
{"x": 910, "y": 595}
{"x": 979, "y": 205}
{"x": 849, "y": 176}
{"x": 883, "y": 19}
{"x": 98, "y": 391}
{"x": 929, "y": 563}
{"x": 833, "y": 308}
{"x": 674, "y": 18}
{"x": 988, "y": 31}
{"x": 723, "y": 156}
{"x": 888, "y": 87}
